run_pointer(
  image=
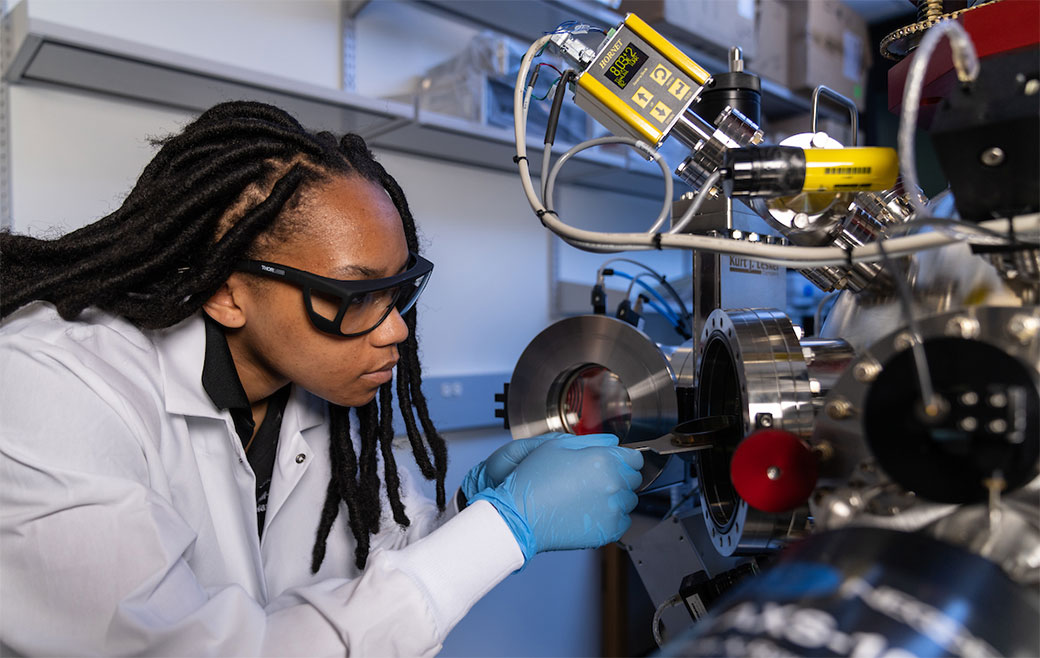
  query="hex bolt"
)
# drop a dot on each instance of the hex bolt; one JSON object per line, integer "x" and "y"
{"x": 992, "y": 156}
{"x": 1024, "y": 328}
{"x": 808, "y": 354}
{"x": 815, "y": 387}
{"x": 866, "y": 371}
{"x": 962, "y": 326}
{"x": 823, "y": 450}
{"x": 904, "y": 341}
{"x": 840, "y": 409}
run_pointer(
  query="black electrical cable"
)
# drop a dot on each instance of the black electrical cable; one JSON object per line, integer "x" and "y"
{"x": 557, "y": 105}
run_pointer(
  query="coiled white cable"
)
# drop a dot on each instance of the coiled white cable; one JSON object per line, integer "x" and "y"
{"x": 965, "y": 61}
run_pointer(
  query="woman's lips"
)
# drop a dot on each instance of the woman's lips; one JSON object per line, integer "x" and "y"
{"x": 381, "y": 376}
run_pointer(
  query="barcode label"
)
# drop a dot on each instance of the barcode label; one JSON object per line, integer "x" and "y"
{"x": 845, "y": 171}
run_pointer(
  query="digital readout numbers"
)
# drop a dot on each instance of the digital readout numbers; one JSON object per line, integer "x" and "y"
{"x": 626, "y": 64}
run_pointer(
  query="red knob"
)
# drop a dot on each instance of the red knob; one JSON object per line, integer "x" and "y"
{"x": 773, "y": 470}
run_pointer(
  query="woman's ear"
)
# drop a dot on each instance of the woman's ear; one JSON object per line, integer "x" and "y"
{"x": 228, "y": 305}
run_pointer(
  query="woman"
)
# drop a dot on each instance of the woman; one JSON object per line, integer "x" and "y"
{"x": 199, "y": 382}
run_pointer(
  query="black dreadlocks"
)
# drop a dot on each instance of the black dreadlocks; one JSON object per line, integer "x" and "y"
{"x": 216, "y": 193}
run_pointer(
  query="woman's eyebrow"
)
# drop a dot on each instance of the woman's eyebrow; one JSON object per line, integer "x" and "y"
{"x": 361, "y": 271}
{"x": 357, "y": 271}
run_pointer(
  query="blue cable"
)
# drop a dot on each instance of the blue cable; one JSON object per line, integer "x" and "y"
{"x": 667, "y": 312}
{"x": 664, "y": 313}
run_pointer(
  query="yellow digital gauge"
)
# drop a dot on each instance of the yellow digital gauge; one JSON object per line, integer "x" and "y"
{"x": 639, "y": 84}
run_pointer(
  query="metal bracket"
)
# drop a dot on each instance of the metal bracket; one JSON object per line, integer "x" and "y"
{"x": 840, "y": 100}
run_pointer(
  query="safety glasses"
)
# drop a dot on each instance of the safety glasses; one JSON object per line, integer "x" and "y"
{"x": 350, "y": 308}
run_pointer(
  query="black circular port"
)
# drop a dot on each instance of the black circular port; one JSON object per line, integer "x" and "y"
{"x": 989, "y": 423}
{"x": 719, "y": 394}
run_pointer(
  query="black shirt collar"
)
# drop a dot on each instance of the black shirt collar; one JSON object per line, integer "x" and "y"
{"x": 220, "y": 379}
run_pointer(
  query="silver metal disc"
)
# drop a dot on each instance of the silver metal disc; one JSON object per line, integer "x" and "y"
{"x": 549, "y": 365}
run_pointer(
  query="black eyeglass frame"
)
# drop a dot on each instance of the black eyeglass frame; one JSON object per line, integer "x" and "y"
{"x": 346, "y": 291}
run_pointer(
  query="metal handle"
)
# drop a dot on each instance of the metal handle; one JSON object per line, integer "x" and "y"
{"x": 840, "y": 100}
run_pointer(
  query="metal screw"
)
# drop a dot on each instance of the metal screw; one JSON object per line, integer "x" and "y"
{"x": 866, "y": 371}
{"x": 968, "y": 424}
{"x": 1032, "y": 87}
{"x": 998, "y": 400}
{"x": 773, "y": 473}
{"x": 993, "y": 156}
{"x": 904, "y": 341}
{"x": 801, "y": 220}
{"x": 1024, "y": 327}
{"x": 736, "y": 59}
{"x": 963, "y": 327}
{"x": 763, "y": 420}
{"x": 300, "y": 458}
{"x": 969, "y": 398}
{"x": 997, "y": 426}
{"x": 840, "y": 409}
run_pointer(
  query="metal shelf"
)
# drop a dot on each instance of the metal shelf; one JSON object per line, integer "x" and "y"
{"x": 50, "y": 54}
{"x": 528, "y": 19}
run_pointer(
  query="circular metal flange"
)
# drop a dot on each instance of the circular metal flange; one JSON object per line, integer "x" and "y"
{"x": 536, "y": 403}
{"x": 846, "y": 432}
{"x": 752, "y": 367}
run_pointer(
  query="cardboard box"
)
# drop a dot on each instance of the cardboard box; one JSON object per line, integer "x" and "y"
{"x": 829, "y": 45}
{"x": 713, "y": 26}
{"x": 772, "y": 30}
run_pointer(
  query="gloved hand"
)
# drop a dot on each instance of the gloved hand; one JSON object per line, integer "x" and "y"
{"x": 492, "y": 471}
{"x": 573, "y": 492}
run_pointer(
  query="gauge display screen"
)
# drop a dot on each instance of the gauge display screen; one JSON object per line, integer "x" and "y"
{"x": 627, "y": 64}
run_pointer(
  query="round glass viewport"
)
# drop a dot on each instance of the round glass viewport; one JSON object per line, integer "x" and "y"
{"x": 595, "y": 401}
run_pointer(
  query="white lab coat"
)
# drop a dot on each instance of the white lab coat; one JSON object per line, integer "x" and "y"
{"x": 128, "y": 518}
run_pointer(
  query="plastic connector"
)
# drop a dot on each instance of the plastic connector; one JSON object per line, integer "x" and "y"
{"x": 599, "y": 299}
{"x": 572, "y": 48}
{"x": 628, "y": 314}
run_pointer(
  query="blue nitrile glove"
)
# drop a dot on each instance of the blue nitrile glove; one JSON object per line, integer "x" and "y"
{"x": 492, "y": 471}
{"x": 574, "y": 492}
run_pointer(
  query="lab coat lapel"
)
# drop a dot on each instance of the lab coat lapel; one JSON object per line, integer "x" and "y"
{"x": 304, "y": 415}
{"x": 227, "y": 480}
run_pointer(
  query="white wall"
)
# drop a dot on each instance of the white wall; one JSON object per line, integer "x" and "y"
{"x": 75, "y": 156}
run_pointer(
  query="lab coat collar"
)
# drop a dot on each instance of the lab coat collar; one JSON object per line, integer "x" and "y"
{"x": 182, "y": 352}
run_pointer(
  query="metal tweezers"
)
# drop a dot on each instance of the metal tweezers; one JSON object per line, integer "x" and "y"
{"x": 697, "y": 434}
